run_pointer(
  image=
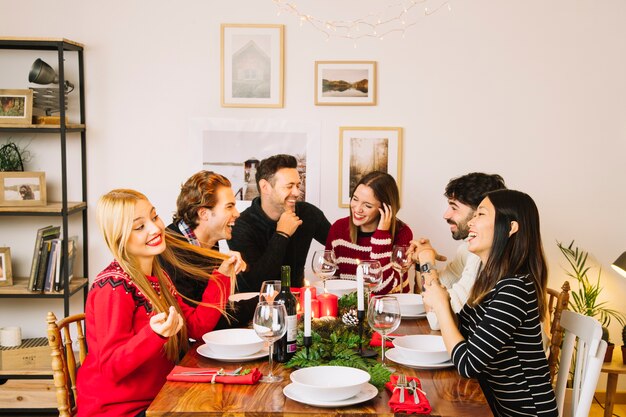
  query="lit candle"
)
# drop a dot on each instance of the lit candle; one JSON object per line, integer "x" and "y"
{"x": 307, "y": 312}
{"x": 328, "y": 304}
{"x": 313, "y": 293}
{"x": 359, "y": 288}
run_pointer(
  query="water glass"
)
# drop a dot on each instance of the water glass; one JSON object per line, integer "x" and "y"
{"x": 324, "y": 264}
{"x": 372, "y": 275}
{"x": 400, "y": 262}
{"x": 269, "y": 290}
{"x": 383, "y": 316}
{"x": 270, "y": 323}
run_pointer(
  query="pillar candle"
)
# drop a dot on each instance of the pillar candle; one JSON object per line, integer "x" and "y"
{"x": 328, "y": 304}
{"x": 359, "y": 288}
{"x": 313, "y": 293}
{"x": 307, "y": 312}
{"x": 315, "y": 309}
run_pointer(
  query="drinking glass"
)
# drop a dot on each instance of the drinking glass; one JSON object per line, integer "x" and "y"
{"x": 269, "y": 290}
{"x": 324, "y": 264}
{"x": 270, "y": 323}
{"x": 372, "y": 275}
{"x": 383, "y": 316}
{"x": 400, "y": 262}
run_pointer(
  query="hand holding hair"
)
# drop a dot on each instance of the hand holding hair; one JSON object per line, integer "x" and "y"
{"x": 165, "y": 324}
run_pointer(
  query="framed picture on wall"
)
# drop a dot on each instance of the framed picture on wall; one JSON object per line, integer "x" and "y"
{"x": 366, "y": 149}
{"x": 345, "y": 83}
{"x": 252, "y": 65}
{"x": 19, "y": 188}
{"x": 6, "y": 277}
{"x": 16, "y": 107}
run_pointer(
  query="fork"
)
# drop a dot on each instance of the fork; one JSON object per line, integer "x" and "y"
{"x": 401, "y": 383}
{"x": 218, "y": 372}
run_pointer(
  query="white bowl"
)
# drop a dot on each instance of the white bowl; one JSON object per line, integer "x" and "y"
{"x": 330, "y": 383}
{"x": 410, "y": 304}
{"x": 233, "y": 343}
{"x": 338, "y": 287}
{"x": 427, "y": 349}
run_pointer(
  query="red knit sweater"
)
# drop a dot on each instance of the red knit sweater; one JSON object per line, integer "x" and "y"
{"x": 126, "y": 365}
{"x": 376, "y": 246}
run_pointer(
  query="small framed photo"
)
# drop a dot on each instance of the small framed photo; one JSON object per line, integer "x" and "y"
{"x": 252, "y": 67}
{"x": 6, "y": 276}
{"x": 345, "y": 83}
{"x": 366, "y": 149}
{"x": 22, "y": 188}
{"x": 16, "y": 107}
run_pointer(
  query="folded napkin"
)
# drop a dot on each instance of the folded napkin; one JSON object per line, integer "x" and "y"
{"x": 377, "y": 339}
{"x": 216, "y": 377}
{"x": 408, "y": 406}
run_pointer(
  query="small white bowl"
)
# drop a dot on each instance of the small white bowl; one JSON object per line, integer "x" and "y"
{"x": 233, "y": 343}
{"x": 423, "y": 348}
{"x": 330, "y": 383}
{"x": 410, "y": 304}
{"x": 338, "y": 287}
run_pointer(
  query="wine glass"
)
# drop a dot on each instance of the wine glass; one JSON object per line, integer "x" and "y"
{"x": 270, "y": 323}
{"x": 400, "y": 262}
{"x": 372, "y": 275}
{"x": 324, "y": 264}
{"x": 269, "y": 290}
{"x": 383, "y": 316}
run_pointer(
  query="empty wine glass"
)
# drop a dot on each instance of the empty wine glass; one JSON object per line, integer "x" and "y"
{"x": 324, "y": 264}
{"x": 383, "y": 316}
{"x": 400, "y": 262}
{"x": 372, "y": 275}
{"x": 269, "y": 290}
{"x": 270, "y": 324}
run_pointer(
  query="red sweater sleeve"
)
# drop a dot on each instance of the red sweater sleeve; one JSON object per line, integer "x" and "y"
{"x": 202, "y": 319}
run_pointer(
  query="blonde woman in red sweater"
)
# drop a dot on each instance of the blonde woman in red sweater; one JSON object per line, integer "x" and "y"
{"x": 371, "y": 231}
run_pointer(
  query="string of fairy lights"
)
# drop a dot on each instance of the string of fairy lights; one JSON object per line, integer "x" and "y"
{"x": 394, "y": 18}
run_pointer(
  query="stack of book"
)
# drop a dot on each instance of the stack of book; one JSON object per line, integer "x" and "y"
{"x": 48, "y": 262}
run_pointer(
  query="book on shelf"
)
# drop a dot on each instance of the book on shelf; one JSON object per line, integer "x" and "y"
{"x": 34, "y": 268}
{"x": 55, "y": 254}
{"x": 59, "y": 281}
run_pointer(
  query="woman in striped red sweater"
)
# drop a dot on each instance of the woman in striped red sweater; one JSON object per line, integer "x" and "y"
{"x": 371, "y": 231}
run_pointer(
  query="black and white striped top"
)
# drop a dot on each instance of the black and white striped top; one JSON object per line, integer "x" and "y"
{"x": 503, "y": 350}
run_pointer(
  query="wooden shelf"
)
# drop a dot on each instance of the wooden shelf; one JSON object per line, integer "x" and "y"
{"x": 53, "y": 208}
{"x": 20, "y": 284}
{"x": 41, "y": 128}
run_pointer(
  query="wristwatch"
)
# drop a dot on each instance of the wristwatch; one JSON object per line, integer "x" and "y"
{"x": 427, "y": 268}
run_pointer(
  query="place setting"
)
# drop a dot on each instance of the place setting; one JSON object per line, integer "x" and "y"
{"x": 420, "y": 352}
{"x": 233, "y": 345}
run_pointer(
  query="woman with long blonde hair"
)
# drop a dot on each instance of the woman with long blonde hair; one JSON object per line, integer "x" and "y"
{"x": 136, "y": 323}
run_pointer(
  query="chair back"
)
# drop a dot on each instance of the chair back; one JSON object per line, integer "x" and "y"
{"x": 583, "y": 336}
{"x": 64, "y": 364}
{"x": 557, "y": 302}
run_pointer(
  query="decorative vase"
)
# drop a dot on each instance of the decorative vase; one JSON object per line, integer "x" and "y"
{"x": 608, "y": 356}
{"x": 624, "y": 355}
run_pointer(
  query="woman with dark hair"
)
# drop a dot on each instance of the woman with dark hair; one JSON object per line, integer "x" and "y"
{"x": 498, "y": 336}
{"x": 371, "y": 231}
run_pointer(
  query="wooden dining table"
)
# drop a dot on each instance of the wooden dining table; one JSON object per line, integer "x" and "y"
{"x": 449, "y": 394}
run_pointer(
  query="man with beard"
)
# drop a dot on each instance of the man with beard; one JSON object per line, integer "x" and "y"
{"x": 276, "y": 229}
{"x": 464, "y": 194}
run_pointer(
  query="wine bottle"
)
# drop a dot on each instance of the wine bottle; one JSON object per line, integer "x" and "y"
{"x": 285, "y": 348}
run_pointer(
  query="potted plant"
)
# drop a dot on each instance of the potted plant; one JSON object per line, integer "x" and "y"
{"x": 624, "y": 345}
{"x": 608, "y": 355}
{"x": 12, "y": 156}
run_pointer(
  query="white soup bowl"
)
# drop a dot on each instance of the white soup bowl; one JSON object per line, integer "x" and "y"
{"x": 329, "y": 383}
{"x": 233, "y": 342}
{"x": 422, "y": 348}
{"x": 410, "y": 304}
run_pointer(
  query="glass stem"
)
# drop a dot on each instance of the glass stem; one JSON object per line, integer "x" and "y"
{"x": 270, "y": 375}
{"x": 383, "y": 348}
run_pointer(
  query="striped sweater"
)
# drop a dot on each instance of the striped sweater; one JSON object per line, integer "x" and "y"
{"x": 503, "y": 350}
{"x": 375, "y": 246}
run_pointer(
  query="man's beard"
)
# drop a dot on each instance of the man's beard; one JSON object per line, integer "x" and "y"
{"x": 462, "y": 228}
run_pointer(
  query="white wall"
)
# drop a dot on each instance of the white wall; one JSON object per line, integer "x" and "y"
{"x": 532, "y": 90}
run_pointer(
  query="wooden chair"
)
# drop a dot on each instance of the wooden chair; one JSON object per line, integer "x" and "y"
{"x": 582, "y": 335}
{"x": 557, "y": 302}
{"x": 64, "y": 364}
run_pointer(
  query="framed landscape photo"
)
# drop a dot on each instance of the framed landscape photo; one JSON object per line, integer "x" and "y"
{"x": 366, "y": 149}
{"x": 16, "y": 107}
{"x": 252, "y": 58}
{"x": 6, "y": 277}
{"x": 19, "y": 188}
{"x": 345, "y": 83}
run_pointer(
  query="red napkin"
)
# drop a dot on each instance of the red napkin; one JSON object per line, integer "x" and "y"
{"x": 377, "y": 339}
{"x": 248, "y": 379}
{"x": 408, "y": 406}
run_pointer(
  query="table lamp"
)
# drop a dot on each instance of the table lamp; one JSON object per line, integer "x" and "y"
{"x": 47, "y": 99}
{"x": 620, "y": 265}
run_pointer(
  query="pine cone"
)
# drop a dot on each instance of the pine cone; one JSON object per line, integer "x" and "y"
{"x": 349, "y": 318}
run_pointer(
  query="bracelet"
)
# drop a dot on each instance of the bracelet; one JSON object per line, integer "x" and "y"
{"x": 283, "y": 234}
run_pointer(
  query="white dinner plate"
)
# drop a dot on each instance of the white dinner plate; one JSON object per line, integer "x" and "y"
{"x": 293, "y": 393}
{"x": 240, "y": 296}
{"x": 395, "y": 355}
{"x": 414, "y": 316}
{"x": 205, "y": 350}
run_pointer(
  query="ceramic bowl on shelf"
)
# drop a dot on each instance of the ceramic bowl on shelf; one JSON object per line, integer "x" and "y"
{"x": 233, "y": 342}
{"x": 330, "y": 383}
{"x": 338, "y": 287}
{"x": 426, "y": 349}
{"x": 411, "y": 305}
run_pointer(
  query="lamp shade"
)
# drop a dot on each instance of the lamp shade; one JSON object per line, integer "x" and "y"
{"x": 620, "y": 265}
{"x": 42, "y": 73}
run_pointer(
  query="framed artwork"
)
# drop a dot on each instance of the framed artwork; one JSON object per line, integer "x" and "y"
{"x": 19, "y": 188}
{"x": 16, "y": 107}
{"x": 366, "y": 149}
{"x": 6, "y": 277}
{"x": 345, "y": 83}
{"x": 252, "y": 67}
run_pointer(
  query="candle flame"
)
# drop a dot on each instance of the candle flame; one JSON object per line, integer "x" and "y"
{"x": 306, "y": 282}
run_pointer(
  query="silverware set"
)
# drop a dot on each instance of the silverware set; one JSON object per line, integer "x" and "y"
{"x": 411, "y": 387}
{"x": 213, "y": 372}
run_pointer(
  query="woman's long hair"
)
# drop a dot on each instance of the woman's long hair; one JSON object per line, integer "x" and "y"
{"x": 115, "y": 214}
{"x": 520, "y": 253}
{"x": 386, "y": 191}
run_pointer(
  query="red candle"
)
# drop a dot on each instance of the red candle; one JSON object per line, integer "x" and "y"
{"x": 328, "y": 304}
{"x": 315, "y": 308}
